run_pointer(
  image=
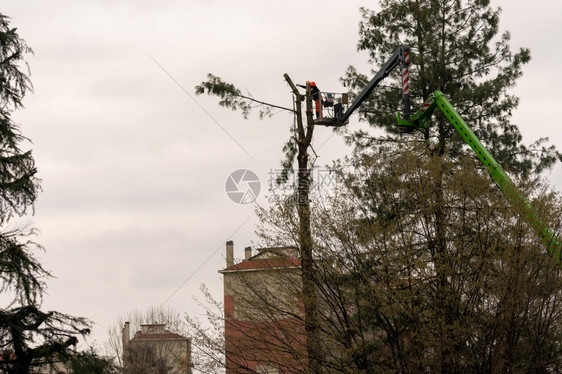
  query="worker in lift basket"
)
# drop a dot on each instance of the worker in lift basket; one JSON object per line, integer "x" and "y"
{"x": 315, "y": 96}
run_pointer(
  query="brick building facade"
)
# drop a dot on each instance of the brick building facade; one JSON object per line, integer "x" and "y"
{"x": 264, "y": 319}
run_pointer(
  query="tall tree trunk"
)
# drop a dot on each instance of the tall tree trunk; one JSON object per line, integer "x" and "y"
{"x": 445, "y": 293}
{"x": 310, "y": 301}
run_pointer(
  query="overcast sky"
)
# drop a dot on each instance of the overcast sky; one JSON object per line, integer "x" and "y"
{"x": 134, "y": 168}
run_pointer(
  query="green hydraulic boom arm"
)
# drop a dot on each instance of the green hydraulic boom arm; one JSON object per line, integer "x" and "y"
{"x": 420, "y": 120}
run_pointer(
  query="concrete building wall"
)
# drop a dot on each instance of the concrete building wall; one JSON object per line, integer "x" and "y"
{"x": 154, "y": 346}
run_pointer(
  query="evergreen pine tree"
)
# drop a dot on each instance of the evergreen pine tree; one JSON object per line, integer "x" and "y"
{"x": 28, "y": 336}
{"x": 457, "y": 49}
{"x": 468, "y": 296}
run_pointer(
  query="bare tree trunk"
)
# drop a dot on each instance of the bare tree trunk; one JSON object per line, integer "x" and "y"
{"x": 313, "y": 344}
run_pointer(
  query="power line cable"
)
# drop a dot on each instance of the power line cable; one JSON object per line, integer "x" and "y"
{"x": 203, "y": 263}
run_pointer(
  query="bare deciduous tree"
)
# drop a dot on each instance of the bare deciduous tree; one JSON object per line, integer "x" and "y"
{"x": 156, "y": 343}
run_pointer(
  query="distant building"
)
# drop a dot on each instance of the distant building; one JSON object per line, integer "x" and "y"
{"x": 264, "y": 319}
{"x": 155, "y": 349}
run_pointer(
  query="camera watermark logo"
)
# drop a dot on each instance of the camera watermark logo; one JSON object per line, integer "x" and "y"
{"x": 243, "y": 186}
{"x": 322, "y": 178}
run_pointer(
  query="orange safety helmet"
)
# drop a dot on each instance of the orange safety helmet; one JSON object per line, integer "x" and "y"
{"x": 312, "y": 84}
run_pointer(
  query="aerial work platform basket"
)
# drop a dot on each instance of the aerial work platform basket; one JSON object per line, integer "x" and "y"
{"x": 332, "y": 108}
